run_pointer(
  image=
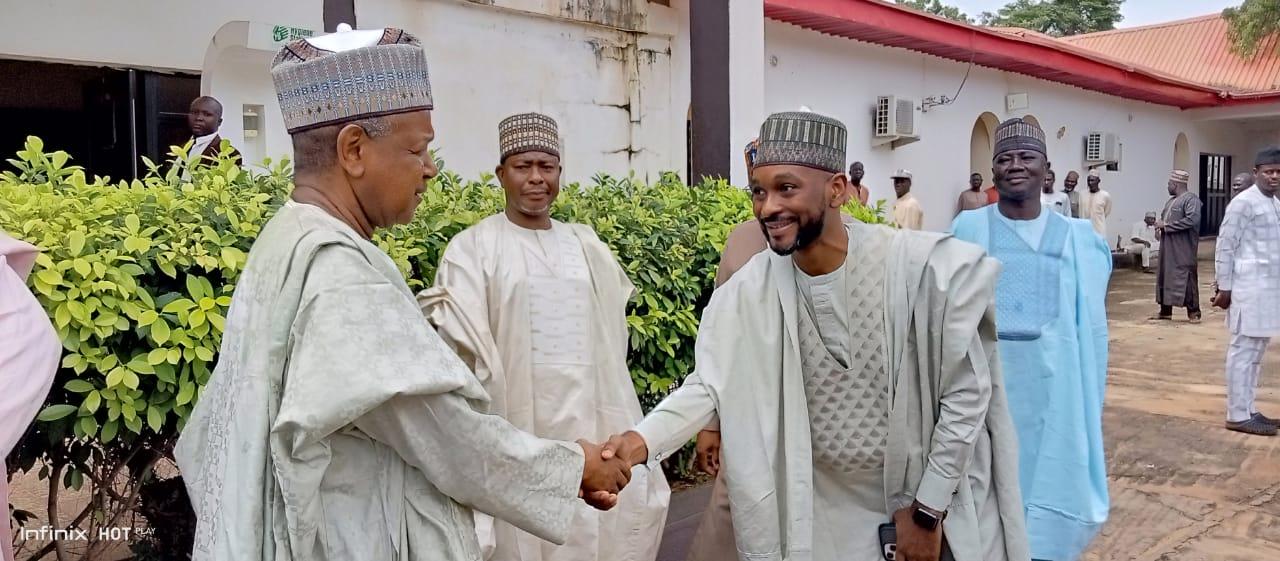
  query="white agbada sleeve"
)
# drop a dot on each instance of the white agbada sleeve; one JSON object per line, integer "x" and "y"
{"x": 358, "y": 341}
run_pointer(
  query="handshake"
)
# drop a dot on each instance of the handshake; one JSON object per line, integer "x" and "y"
{"x": 607, "y": 469}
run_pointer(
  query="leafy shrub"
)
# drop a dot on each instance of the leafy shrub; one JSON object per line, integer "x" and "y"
{"x": 137, "y": 277}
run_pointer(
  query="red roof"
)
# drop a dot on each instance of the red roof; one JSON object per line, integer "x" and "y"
{"x": 1196, "y": 50}
{"x": 1023, "y": 52}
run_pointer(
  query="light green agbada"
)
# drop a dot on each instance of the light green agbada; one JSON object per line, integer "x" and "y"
{"x": 338, "y": 426}
{"x": 951, "y": 441}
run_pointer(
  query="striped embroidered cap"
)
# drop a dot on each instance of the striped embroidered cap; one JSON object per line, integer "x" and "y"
{"x": 802, "y": 138}
{"x": 1180, "y": 176}
{"x": 1016, "y": 134}
{"x": 528, "y": 132}
{"x": 350, "y": 75}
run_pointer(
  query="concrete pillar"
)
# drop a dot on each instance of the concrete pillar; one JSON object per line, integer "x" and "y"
{"x": 727, "y": 59}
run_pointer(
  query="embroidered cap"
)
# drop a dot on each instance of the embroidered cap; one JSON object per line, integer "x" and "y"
{"x": 1017, "y": 134}
{"x": 1180, "y": 176}
{"x": 802, "y": 138}
{"x": 350, "y": 75}
{"x": 528, "y": 132}
{"x": 901, "y": 174}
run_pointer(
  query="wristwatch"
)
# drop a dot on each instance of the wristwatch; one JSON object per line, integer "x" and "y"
{"x": 926, "y": 518}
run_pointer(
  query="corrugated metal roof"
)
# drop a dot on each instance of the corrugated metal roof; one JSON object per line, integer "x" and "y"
{"x": 1196, "y": 50}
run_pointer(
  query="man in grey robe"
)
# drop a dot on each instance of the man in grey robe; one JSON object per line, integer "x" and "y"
{"x": 337, "y": 425}
{"x": 855, "y": 376}
{"x": 1177, "y": 279}
{"x": 1240, "y": 182}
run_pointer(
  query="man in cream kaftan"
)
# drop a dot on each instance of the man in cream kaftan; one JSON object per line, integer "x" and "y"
{"x": 849, "y": 398}
{"x": 337, "y": 425}
{"x": 538, "y": 311}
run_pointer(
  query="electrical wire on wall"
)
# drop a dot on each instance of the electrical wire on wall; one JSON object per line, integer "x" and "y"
{"x": 938, "y": 101}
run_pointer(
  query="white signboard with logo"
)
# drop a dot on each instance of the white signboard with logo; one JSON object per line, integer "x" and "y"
{"x": 270, "y": 37}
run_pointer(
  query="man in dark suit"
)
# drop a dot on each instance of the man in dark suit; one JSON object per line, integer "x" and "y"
{"x": 204, "y": 117}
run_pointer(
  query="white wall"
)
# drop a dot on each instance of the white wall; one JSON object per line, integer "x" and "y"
{"x": 609, "y": 90}
{"x": 842, "y": 78}
{"x": 153, "y": 34}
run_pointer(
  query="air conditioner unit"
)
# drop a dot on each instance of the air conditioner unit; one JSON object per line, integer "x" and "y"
{"x": 1102, "y": 148}
{"x": 894, "y": 122}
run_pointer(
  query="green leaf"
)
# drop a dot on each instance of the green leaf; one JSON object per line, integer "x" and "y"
{"x": 55, "y": 412}
{"x": 184, "y": 395}
{"x": 232, "y": 257}
{"x": 157, "y": 356}
{"x": 132, "y": 223}
{"x": 75, "y": 243}
{"x": 140, "y": 365}
{"x": 164, "y": 370}
{"x": 207, "y": 303}
{"x": 51, "y": 277}
{"x": 115, "y": 377}
{"x": 175, "y": 356}
{"x": 155, "y": 419}
{"x": 196, "y": 319}
{"x": 92, "y": 402}
{"x": 109, "y": 431}
{"x": 179, "y": 305}
{"x": 204, "y": 354}
{"x": 223, "y": 301}
{"x": 147, "y": 318}
{"x": 134, "y": 424}
{"x": 83, "y": 267}
{"x": 78, "y": 386}
{"x": 131, "y": 380}
{"x": 160, "y": 331}
{"x": 217, "y": 321}
{"x": 195, "y": 288}
{"x": 89, "y": 425}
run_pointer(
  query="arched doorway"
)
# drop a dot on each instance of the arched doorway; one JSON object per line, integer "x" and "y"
{"x": 1031, "y": 119}
{"x": 1182, "y": 153}
{"x": 981, "y": 144}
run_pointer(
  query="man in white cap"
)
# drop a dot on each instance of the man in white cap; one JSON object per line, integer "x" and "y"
{"x": 338, "y": 425}
{"x": 29, "y": 352}
{"x": 1178, "y": 280}
{"x": 854, "y": 373}
{"x": 1144, "y": 242}
{"x": 907, "y": 213}
{"x": 538, "y": 309}
{"x": 1096, "y": 206}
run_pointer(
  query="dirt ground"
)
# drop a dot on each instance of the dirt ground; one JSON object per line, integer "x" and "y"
{"x": 1182, "y": 487}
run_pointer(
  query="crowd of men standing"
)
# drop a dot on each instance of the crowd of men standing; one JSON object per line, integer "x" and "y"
{"x": 861, "y": 391}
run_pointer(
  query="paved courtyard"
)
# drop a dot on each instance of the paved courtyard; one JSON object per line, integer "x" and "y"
{"x": 1182, "y": 487}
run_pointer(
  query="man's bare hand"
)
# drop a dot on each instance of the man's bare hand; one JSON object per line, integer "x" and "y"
{"x": 629, "y": 447}
{"x": 708, "y": 448}
{"x": 602, "y": 479}
{"x": 1223, "y": 299}
{"x": 916, "y": 543}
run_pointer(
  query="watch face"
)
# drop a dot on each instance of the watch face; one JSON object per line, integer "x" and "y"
{"x": 924, "y": 519}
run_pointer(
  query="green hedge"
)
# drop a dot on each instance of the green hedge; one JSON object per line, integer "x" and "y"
{"x": 137, "y": 276}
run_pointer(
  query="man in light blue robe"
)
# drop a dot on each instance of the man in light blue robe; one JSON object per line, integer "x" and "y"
{"x": 1052, "y": 330}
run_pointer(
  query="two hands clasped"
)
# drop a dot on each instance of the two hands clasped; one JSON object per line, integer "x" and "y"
{"x": 608, "y": 470}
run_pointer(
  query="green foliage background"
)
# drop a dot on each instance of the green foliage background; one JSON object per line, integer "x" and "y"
{"x": 137, "y": 277}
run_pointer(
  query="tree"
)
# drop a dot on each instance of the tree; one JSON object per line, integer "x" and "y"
{"x": 1251, "y": 24}
{"x": 937, "y": 8}
{"x": 1058, "y": 17}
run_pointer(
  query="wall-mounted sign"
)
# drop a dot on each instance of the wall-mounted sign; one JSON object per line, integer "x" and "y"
{"x": 270, "y": 37}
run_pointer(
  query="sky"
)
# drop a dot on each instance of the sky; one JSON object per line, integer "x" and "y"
{"x": 1136, "y": 12}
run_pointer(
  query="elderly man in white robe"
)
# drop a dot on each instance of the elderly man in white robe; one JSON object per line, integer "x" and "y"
{"x": 537, "y": 308}
{"x": 337, "y": 425}
{"x": 855, "y": 375}
{"x": 1248, "y": 274}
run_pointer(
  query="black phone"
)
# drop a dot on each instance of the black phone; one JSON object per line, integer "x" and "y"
{"x": 889, "y": 544}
